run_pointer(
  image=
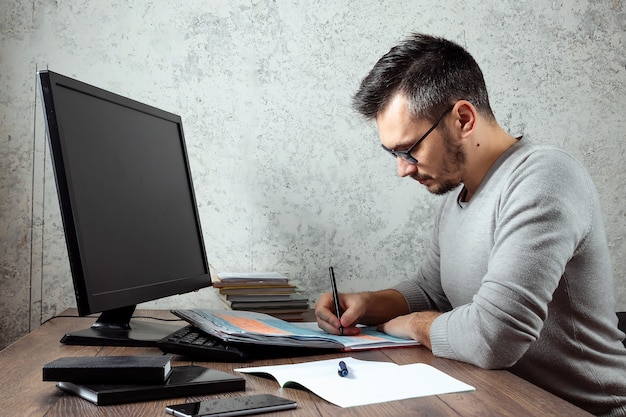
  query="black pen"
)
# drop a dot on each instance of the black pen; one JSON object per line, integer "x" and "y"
{"x": 333, "y": 284}
{"x": 343, "y": 369}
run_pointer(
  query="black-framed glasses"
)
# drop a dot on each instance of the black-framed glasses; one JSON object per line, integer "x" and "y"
{"x": 406, "y": 155}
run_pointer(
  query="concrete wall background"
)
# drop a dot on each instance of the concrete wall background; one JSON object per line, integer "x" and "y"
{"x": 287, "y": 177}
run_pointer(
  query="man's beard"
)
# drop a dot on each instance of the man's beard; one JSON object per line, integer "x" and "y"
{"x": 452, "y": 169}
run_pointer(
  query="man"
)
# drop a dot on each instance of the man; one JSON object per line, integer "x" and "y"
{"x": 518, "y": 274}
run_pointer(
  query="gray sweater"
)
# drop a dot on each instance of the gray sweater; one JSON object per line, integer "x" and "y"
{"x": 524, "y": 275}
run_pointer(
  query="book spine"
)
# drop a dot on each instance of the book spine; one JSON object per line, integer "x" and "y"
{"x": 150, "y": 393}
{"x": 130, "y": 375}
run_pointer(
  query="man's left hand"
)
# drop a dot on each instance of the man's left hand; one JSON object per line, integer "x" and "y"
{"x": 414, "y": 326}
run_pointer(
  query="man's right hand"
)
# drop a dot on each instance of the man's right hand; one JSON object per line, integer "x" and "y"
{"x": 352, "y": 306}
{"x": 370, "y": 308}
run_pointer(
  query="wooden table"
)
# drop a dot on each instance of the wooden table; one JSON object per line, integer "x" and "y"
{"x": 498, "y": 393}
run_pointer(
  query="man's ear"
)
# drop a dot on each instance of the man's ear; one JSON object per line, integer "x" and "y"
{"x": 465, "y": 117}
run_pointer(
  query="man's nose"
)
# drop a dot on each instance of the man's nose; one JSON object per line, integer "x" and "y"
{"x": 405, "y": 168}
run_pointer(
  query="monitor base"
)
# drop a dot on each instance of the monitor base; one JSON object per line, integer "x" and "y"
{"x": 140, "y": 334}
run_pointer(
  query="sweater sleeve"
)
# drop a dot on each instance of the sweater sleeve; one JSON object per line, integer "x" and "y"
{"x": 541, "y": 218}
{"x": 425, "y": 292}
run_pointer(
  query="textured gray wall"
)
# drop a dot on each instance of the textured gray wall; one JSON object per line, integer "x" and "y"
{"x": 288, "y": 178}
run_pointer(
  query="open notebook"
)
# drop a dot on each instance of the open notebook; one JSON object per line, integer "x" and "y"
{"x": 367, "y": 382}
{"x": 262, "y": 329}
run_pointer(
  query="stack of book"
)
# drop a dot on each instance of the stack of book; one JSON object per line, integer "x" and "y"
{"x": 264, "y": 292}
{"x": 108, "y": 380}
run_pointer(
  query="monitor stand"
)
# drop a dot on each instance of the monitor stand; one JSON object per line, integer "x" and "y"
{"x": 116, "y": 328}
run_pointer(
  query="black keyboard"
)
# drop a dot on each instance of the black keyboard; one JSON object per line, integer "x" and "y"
{"x": 194, "y": 343}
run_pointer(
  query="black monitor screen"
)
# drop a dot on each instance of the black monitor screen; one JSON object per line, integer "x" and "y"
{"x": 127, "y": 201}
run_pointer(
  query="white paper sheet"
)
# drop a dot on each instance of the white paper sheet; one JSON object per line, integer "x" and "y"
{"x": 368, "y": 382}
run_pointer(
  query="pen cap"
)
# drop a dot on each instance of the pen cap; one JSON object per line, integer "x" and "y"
{"x": 343, "y": 369}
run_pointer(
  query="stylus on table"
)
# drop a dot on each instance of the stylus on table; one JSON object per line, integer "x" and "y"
{"x": 333, "y": 284}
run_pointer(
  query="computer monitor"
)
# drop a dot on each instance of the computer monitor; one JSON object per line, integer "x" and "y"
{"x": 128, "y": 207}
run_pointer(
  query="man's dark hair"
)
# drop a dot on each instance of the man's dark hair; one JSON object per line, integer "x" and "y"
{"x": 433, "y": 73}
